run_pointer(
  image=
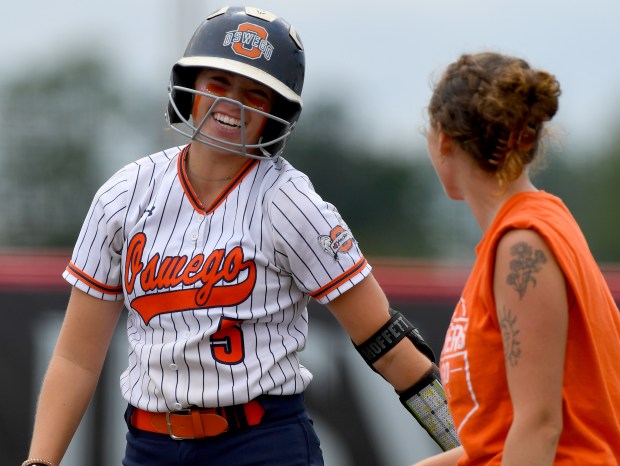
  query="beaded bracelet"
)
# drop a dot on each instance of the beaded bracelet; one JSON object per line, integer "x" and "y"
{"x": 36, "y": 462}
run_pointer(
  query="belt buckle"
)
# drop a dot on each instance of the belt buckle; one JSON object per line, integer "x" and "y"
{"x": 185, "y": 411}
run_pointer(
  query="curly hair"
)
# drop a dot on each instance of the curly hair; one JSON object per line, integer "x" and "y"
{"x": 494, "y": 106}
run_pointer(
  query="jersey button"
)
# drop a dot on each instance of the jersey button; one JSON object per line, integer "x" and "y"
{"x": 194, "y": 236}
{"x": 173, "y": 367}
{"x": 178, "y": 406}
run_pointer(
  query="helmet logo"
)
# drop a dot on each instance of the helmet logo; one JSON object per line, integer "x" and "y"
{"x": 250, "y": 41}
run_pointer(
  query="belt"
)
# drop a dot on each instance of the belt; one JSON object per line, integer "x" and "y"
{"x": 198, "y": 423}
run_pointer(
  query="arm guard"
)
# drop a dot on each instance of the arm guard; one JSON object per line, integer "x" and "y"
{"x": 384, "y": 339}
{"x": 426, "y": 401}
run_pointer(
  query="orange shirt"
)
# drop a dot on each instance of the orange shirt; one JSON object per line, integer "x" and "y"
{"x": 472, "y": 360}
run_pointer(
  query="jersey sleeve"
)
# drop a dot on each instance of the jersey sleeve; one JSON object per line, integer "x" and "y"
{"x": 313, "y": 242}
{"x": 95, "y": 266}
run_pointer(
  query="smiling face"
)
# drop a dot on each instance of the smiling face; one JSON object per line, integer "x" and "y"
{"x": 228, "y": 108}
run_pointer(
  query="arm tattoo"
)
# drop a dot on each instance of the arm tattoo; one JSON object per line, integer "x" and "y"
{"x": 522, "y": 268}
{"x": 508, "y": 326}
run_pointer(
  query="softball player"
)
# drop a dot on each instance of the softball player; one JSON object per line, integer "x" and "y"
{"x": 215, "y": 249}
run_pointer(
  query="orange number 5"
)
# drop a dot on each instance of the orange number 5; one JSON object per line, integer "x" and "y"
{"x": 227, "y": 343}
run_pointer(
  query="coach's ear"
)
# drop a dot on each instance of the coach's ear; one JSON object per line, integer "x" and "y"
{"x": 446, "y": 143}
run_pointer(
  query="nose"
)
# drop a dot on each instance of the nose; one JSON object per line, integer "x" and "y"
{"x": 213, "y": 90}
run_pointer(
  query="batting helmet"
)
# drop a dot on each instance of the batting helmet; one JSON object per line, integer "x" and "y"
{"x": 255, "y": 44}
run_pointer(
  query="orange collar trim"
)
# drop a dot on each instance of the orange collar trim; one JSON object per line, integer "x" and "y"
{"x": 191, "y": 194}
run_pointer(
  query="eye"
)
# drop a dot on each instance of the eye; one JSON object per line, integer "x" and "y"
{"x": 216, "y": 88}
{"x": 258, "y": 99}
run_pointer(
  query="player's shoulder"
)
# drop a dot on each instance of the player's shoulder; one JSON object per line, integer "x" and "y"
{"x": 150, "y": 163}
{"x": 291, "y": 187}
{"x": 280, "y": 172}
{"x": 163, "y": 158}
{"x": 148, "y": 166}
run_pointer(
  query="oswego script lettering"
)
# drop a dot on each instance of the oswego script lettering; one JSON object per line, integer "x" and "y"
{"x": 211, "y": 272}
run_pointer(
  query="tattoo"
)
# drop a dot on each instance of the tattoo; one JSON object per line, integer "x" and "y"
{"x": 522, "y": 268}
{"x": 508, "y": 326}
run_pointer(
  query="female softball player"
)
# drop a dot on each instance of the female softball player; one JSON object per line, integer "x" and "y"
{"x": 215, "y": 249}
{"x": 530, "y": 360}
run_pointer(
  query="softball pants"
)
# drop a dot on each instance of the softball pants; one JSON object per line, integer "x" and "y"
{"x": 284, "y": 437}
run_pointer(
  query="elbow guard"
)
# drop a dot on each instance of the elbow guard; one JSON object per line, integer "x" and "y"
{"x": 426, "y": 401}
{"x": 384, "y": 339}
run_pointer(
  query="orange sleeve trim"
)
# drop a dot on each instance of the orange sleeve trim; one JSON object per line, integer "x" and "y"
{"x": 348, "y": 275}
{"x": 91, "y": 282}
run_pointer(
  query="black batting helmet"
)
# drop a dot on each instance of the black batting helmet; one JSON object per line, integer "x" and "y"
{"x": 253, "y": 43}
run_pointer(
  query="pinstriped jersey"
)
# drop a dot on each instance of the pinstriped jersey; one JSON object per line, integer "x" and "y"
{"x": 216, "y": 295}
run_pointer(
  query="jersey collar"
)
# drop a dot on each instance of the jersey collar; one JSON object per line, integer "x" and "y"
{"x": 191, "y": 194}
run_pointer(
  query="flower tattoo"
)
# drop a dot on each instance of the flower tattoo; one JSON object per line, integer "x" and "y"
{"x": 522, "y": 269}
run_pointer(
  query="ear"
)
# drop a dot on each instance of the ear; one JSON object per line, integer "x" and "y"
{"x": 446, "y": 143}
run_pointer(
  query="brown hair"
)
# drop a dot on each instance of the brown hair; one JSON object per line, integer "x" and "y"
{"x": 494, "y": 106}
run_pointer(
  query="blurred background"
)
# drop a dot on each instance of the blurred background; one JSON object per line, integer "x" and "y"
{"x": 83, "y": 92}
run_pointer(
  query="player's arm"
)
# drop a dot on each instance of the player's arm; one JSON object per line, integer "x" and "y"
{"x": 532, "y": 312}
{"x": 393, "y": 347}
{"x": 73, "y": 373}
{"x": 363, "y": 310}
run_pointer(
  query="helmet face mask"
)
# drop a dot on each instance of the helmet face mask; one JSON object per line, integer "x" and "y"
{"x": 252, "y": 43}
{"x": 195, "y": 129}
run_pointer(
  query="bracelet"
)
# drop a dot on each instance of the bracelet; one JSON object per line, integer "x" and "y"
{"x": 36, "y": 462}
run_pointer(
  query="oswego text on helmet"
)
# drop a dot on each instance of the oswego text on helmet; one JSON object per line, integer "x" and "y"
{"x": 249, "y": 40}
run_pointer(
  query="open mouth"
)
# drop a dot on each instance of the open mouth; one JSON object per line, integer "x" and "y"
{"x": 227, "y": 121}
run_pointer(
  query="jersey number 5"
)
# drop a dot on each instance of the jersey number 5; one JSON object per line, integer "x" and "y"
{"x": 227, "y": 343}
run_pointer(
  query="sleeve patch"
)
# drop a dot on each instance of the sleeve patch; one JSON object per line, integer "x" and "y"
{"x": 340, "y": 239}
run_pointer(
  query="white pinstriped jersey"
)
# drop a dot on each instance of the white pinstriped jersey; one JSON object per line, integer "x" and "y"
{"x": 216, "y": 296}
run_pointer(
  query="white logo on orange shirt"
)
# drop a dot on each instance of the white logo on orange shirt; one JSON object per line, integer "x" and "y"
{"x": 454, "y": 367}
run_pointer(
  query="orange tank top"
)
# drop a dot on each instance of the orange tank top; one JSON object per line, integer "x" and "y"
{"x": 472, "y": 359}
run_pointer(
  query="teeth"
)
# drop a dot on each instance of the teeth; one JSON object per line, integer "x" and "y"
{"x": 225, "y": 119}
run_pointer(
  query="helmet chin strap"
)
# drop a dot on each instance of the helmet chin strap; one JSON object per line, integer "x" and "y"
{"x": 257, "y": 150}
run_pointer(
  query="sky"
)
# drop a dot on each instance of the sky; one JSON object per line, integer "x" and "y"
{"x": 378, "y": 59}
